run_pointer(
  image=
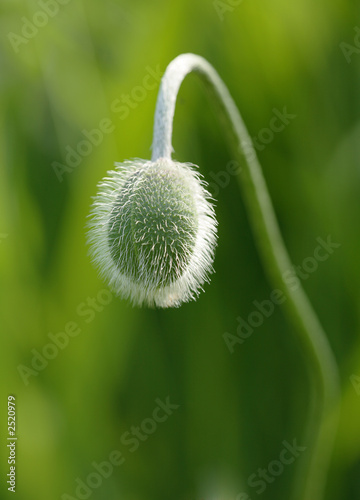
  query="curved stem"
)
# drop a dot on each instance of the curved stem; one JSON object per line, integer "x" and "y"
{"x": 320, "y": 359}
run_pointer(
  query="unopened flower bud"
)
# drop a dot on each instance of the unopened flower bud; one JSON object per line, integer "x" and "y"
{"x": 153, "y": 232}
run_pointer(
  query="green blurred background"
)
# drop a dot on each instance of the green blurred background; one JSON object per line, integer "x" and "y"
{"x": 235, "y": 410}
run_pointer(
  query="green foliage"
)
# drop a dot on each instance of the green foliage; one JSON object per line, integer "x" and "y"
{"x": 78, "y": 94}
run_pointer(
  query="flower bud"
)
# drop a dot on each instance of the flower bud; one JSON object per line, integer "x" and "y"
{"x": 153, "y": 232}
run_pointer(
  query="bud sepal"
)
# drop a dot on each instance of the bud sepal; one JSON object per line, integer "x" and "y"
{"x": 152, "y": 232}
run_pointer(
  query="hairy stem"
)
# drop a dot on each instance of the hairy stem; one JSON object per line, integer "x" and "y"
{"x": 325, "y": 400}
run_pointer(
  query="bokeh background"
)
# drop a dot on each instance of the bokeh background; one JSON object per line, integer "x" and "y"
{"x": 66, "y": 75}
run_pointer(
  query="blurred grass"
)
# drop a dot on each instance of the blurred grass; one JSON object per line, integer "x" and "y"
{"x": 235, "y": 410}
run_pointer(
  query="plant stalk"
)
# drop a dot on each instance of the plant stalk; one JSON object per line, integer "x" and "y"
{"x": 321, "y": 363}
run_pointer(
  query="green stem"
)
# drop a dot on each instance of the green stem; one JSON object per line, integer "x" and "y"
{"x": 323, "y": 418}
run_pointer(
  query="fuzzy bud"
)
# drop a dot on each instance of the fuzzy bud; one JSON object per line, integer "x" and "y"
{"x": 153, "y": 232}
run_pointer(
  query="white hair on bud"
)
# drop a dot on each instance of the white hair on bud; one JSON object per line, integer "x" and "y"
{"x": 152, "y": 232}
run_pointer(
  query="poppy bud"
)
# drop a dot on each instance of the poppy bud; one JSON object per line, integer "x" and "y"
{"x": 153, "y": 232}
